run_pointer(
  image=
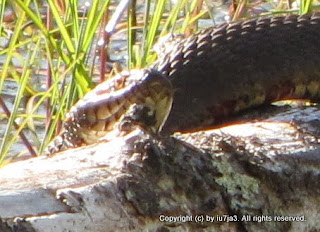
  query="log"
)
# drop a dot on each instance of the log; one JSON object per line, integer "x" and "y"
{"x": 261, "y": 175}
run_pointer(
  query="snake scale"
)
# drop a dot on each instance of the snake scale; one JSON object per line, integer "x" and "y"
{"x": 206, "y": 78}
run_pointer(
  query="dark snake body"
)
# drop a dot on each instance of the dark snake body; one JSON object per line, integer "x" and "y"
{"x": 221, "y": 71}
{"x": 214, "y": 74}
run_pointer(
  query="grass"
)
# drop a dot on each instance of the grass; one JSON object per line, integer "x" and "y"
{"x": 64, "y": 40}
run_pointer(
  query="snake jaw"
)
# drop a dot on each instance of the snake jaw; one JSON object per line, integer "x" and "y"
{"x": 159, "y": 100}
{"x": 162, "y": 111}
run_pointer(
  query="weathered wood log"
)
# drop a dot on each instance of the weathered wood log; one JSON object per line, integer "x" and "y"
{"x": 257, "y": 176}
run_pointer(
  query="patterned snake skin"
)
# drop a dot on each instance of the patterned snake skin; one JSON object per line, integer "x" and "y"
{"x": 212, "y": 75}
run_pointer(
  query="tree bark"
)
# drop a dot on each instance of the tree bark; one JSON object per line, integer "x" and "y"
{"x": 255, "y": 176}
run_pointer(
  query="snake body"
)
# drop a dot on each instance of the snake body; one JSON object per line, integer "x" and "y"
{"x": 221, "y": 71}
{"x": 210, "y": 76}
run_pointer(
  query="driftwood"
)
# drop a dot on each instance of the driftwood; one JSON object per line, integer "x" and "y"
{"x": 258, "y": 176}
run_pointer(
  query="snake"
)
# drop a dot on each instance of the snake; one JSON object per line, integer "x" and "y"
{"x": 205, "y": 79}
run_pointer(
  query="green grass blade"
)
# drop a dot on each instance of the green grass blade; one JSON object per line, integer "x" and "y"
{"x": 2, "y": 13}
{"x": 9, "y": 140}
{"x": 73, "y": 8}
{"x": 173, "y": 16}
{"x": 305, "y": 6}
{"x": 63, "y": 30}
{"x": 38, "y": 22}
{"x": 153, "y": 30}
{"x": 11, "y": 47}
{"x": 94, "y": 18}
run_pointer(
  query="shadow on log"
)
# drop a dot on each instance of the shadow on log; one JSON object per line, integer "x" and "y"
{"x": 258, "y": 176}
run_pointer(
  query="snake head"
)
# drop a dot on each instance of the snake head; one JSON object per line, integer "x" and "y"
{"x": 144, "y": 96}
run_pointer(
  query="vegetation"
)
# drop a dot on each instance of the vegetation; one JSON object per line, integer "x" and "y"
{"x": 49, "y": 51}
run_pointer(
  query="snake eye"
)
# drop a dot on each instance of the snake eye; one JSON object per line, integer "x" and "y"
{"x": 120, "y": 82}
